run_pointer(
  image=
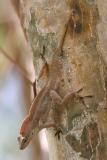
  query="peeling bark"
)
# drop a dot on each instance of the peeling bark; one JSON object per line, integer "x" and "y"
{"x": 84, "y": 125}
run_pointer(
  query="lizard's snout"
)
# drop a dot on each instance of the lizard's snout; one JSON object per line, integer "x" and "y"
{"x": 21, "y": 140}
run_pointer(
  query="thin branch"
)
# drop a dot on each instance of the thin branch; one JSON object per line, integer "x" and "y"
{"x": 22, "y": 69}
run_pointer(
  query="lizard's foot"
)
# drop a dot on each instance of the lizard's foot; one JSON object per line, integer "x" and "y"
{"x": 82, "y": 99}
{"x": 58, "y": 132}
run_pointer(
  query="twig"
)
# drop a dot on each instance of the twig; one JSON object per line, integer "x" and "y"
{"x": 22, "y": 69}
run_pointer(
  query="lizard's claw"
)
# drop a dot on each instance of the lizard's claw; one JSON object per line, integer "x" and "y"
{"x": 58, "y": 132}
{"x": 77, "y": 92}
{"x": 81, "y": 98}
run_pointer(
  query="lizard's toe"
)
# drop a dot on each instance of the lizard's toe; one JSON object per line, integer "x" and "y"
{"x": 58, "y": 132}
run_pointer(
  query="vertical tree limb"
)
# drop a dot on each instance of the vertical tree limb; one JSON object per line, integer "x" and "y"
{"x": 85, "y": 130}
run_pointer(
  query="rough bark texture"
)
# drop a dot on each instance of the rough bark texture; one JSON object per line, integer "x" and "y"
{"x": 85, "y": 133}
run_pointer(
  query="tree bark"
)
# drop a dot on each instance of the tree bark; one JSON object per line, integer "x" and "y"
{"x": 84, "y": 134}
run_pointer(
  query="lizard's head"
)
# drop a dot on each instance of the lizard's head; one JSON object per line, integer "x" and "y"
{"x": 25, "y": 140}
{"x": 26, "y": 134}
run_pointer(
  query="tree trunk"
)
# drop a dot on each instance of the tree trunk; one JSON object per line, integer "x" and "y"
{"x": 84, "y": 120}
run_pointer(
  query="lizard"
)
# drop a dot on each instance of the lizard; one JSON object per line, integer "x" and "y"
{"x": 40, "y": 107}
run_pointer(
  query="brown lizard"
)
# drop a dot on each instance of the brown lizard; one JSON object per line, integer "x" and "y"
{"x": 40, "y": 107}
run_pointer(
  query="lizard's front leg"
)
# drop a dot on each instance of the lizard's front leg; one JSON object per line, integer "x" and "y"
{"x": 59, "y": 105}
{"x": 62, "y": 102}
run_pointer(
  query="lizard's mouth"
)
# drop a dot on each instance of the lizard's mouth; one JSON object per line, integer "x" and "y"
{"x": 25, "y": 140}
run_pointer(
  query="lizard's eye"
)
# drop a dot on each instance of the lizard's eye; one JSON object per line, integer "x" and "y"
{"x": 24, "y": 140}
